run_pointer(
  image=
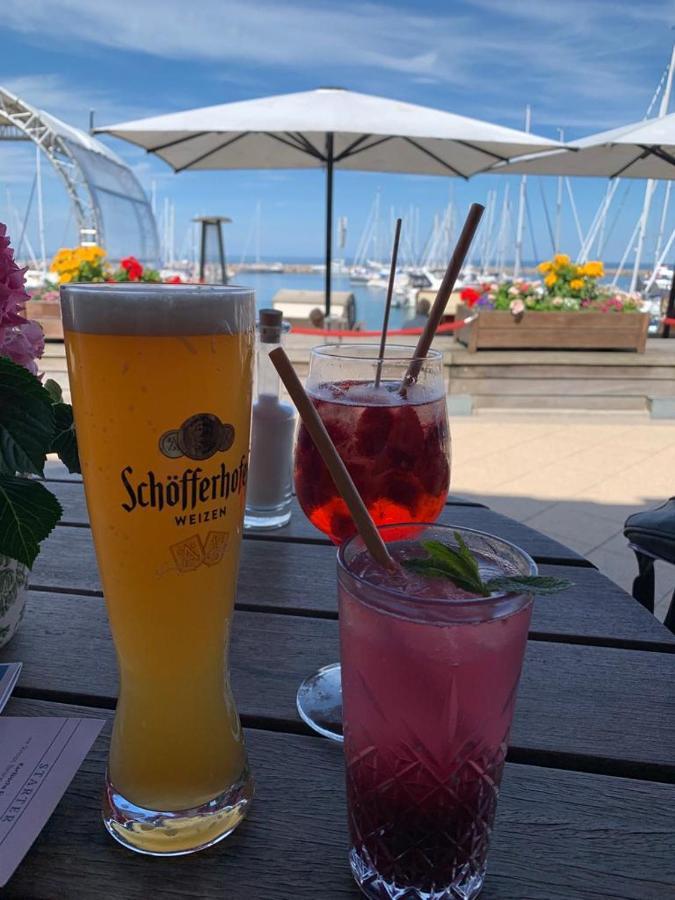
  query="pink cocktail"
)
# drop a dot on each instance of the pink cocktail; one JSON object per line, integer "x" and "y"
{"x": 429, "y": 682}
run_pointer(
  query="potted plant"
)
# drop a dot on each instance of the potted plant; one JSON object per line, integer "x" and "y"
{"x": 570, "y": 310}
{"x": 34, "y": 421}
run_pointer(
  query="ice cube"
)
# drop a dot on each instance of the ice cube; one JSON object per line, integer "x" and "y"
{"x": 361, "y": 394}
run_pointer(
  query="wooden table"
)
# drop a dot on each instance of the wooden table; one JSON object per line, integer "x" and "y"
{"x": 587, "y": 807}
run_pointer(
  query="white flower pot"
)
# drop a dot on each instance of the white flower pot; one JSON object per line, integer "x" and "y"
{"x": 13, "y": 589}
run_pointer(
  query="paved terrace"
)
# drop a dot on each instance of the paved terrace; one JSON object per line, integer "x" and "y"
{"x": 575, "y": 476}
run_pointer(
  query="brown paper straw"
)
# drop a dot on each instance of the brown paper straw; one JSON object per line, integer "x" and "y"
{"x": 387, "y": 305}
{"x": 343, "y": 481}
{"x": 451, "y": 274}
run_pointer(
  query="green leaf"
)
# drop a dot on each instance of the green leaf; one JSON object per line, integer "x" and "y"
{"x": 53, "y": 388}
{"x": 430, "y": 569}
{"x": 65, "y": 441}
{"x": 458, "y": 562}
{"x": 26, "y": 420}
{"x": 28, "y": 512}
{"x": 459, "y": 565}
{"x": 529, "y": 584}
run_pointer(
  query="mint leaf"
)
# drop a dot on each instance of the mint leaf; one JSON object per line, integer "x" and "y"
{"x": 65, "y": 442}
{"x": 53, "y": 388}
{"x": 26, "y": 420}
{"x": 529, "y": 584}
{"x": 28, "y": 512}
{"x": 451, "y": 559}
{"x": 456, "y": 564}
{"x": 430, "y": 569}
{"x": 459, "y": 565}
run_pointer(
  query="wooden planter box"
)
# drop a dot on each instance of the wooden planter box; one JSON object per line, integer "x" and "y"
{"x": 500, "y": 330}
{"x": 48, "y": 314}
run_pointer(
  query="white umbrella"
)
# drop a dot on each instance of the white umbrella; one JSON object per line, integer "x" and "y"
{"x": 328, "y": 128}
{"x": 642, "y": 150}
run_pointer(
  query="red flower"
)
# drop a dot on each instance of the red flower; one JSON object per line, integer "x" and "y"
{"x": 175, "y": 279}
{"x": 470, "y": 296}
{"x": 133, "y": 267}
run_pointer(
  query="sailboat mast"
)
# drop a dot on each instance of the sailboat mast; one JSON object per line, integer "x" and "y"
{"x": 522, "y": 199}
{"x": 558, "y": 203}
{"x": 503, "y": 233}
{"x": 40, "y": 211}
{"x": 487, "y": 231}
{"x": 258, "y": 229}
{"x": 651, "y": 184}
{"x": 662, "y": 222}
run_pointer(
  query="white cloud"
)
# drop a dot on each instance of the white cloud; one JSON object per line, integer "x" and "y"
{"x": 567, "y": 57}
{"x": 70, "y": 101}
{"x": 266, "y": 32}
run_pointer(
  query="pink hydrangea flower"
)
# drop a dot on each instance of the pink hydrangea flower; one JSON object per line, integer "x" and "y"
{"x": 21, "y": 341}
{"x": 23, "y": 344}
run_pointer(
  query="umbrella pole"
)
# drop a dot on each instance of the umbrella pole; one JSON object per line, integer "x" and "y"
{"x": 329, "y": 217}
{"x": 221, "y": 254}
{"x": 670, "y": 309}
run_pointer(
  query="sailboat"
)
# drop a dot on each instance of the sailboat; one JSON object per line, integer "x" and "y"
{"x": 257, "y": 265}
{"x": 366, "y": 266}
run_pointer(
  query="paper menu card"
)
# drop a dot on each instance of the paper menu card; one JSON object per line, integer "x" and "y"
{"x": 9, "y": 674}
{"x": 38, "y": 758}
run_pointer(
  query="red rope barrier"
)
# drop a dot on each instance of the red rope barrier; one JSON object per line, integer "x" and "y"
{"x": 446, "y": 328}
{"x": 670, "y": 322}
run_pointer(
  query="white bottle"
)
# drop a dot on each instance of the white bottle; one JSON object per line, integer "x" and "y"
{"x": 269, "y": 488}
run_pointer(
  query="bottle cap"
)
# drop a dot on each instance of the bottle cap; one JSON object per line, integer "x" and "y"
{"x": 270, "y": 326}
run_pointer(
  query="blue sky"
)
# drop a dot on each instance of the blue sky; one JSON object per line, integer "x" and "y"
{"x": 583, "y": 65}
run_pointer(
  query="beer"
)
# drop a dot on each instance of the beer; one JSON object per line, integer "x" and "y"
{"x": 161, "y": 387}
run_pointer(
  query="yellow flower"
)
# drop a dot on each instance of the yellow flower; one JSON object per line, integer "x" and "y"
{"x": 561, "y": 259}
{"x": 545, "y": 267}
{"x": 576, "y": 284}
{"x": 594, "y": 269}
{"x": 550, "y": 279}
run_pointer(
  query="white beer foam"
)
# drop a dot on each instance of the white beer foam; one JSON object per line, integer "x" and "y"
{"x": 157, "y": 310}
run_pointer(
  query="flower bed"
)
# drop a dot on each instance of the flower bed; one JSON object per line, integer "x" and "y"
{"x": 570, "y": 310}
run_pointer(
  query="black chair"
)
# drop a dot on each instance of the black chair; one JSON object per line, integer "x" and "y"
{"x": 651, "y": 535}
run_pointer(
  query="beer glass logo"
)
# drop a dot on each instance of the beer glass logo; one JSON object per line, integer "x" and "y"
{"x": 195, "y": 551}
{"x": 199, "y": 437}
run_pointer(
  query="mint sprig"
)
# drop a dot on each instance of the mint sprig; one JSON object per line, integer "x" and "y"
{"x": 459, "y": 565}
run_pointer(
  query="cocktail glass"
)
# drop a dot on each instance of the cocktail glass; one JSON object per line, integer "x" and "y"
{"x": 429, "y": 681}
{"x": 396, "y": 446}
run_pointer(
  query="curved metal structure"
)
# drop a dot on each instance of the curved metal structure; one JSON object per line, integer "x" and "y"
{"x": 101, "y": 187}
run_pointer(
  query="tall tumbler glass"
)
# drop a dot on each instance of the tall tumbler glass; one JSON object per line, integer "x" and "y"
{"x": 161, "y": 386}
{"x": 429, "y": 682}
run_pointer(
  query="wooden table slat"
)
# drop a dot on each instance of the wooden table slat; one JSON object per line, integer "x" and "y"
{"x": 574, "y": 700}
{"x": 559, "y": 835}
{"x": 71, "y": 496}
{"x": 595, "y": 609}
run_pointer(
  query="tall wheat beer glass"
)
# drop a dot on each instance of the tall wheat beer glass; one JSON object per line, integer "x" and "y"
{"x": 161, "y": 387}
